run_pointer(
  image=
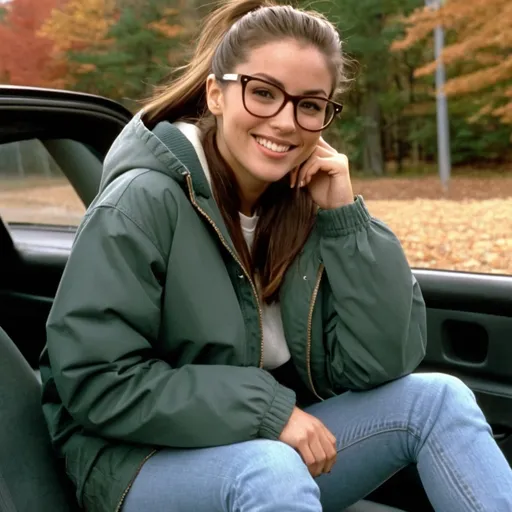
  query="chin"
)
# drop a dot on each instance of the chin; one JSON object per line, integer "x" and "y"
{"x": 269, "y": 177}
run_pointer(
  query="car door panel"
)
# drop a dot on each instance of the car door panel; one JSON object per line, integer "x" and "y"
{"x": 31, "y": 283}
{"x": 469, "y": 325}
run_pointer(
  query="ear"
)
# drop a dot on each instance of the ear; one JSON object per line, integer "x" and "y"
{"x": 214, "y": 96}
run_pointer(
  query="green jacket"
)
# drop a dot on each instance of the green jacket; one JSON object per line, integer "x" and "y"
{"x": 154, "y": 338}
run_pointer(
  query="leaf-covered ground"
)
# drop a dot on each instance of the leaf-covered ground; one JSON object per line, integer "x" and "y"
{"x": 469, "y": 228}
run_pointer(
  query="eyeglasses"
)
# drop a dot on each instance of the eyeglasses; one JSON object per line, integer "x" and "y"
{"x": 265, "y": 99}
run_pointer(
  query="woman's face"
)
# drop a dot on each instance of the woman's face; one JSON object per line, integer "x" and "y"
{"x": 241, "y": 136}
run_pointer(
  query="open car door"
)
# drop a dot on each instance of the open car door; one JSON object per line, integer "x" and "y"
{"x": 52, "y": 145}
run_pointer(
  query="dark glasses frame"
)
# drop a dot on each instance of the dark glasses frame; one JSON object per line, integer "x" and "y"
{"x": 295, "y": 99}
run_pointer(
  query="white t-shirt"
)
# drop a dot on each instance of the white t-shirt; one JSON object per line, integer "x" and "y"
{"x": 275, "y": 348}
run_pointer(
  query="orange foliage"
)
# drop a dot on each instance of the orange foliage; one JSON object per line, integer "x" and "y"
{"x": 169, "y": 31}
{"x": 25, "y": 55}
{"x": 80, "y": 24}
{"x": 77, "y": 26}
{"x": 483, "y": 41}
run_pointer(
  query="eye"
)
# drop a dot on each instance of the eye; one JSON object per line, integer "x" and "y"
{"x": 263, "y": 93}
{"x": 311, "y": 106}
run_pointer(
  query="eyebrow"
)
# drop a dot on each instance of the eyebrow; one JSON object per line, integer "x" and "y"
{"x": 311, "y": 92}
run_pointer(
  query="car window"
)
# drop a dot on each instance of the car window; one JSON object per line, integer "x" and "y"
{"x": 33, "y": 188}
{"x": 468, "y": 228}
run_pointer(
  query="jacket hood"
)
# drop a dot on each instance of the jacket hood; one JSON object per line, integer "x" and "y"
{"x": 172, "y": 149}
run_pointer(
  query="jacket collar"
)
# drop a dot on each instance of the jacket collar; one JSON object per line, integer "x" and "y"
{"x": 183, "y": 143}
{"x": 188, "y": 152}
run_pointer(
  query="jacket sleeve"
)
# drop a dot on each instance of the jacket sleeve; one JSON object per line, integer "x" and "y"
{"x": 100, "y": 331}
{"x": 374, "y": 313}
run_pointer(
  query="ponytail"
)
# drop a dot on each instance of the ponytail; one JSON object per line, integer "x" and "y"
{"x": 185, "y": 97}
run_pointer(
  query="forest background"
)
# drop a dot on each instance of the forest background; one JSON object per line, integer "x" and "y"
{"x": 123, "y": 48}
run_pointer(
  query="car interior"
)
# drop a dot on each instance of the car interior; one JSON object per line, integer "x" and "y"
{"x": 469, "y": 315}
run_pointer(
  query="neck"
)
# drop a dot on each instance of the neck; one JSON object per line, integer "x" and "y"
{"x": 249, "y": 194}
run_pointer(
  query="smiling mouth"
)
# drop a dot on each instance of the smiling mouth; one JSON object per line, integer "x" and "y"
{"x": 272, "y": 146}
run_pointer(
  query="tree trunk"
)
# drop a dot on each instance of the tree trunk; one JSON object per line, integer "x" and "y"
{"x": 415, "y": 150}
{"x": 415, "y": 145}
{"x": 373, "y": 160}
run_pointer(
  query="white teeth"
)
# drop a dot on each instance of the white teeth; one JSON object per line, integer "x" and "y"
{"x": 272, "y": 145}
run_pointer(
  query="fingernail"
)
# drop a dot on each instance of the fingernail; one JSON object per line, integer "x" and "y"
{"x": 302, "y": 183}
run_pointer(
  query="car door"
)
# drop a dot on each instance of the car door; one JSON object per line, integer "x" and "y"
{"x": 52, "y": 144}
{"x": 469, "y": 315}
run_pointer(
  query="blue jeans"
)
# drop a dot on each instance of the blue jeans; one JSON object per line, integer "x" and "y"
{"x": 431, "y": 420}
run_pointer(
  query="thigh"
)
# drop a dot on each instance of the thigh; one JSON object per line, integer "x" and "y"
{"x": 180, "y": 480}
{"x": 254, "y": 475}
{"x": 377, "y": 434}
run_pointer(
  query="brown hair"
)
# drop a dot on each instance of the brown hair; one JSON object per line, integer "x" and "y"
{"x": 227, "y": 35}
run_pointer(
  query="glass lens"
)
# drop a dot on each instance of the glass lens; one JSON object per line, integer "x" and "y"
{"x": 314, "y": 113}
{"x": 262, "y": 99}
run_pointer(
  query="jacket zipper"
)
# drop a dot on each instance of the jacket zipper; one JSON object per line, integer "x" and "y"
{"x": 310, "y": 322}
{"x": 235, "y": 257}
{"x": 309, "y": 328}
{"x": 260, "y": 314}
{"x": 123, "y": 496}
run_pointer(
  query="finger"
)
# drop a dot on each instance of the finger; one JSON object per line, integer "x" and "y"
{"x": 334, "y": 447}
{"x": 319, "y": 165}
{"x": 315, "y": 444}
{"x": 304, "y": 171}
{"x": 319, "y": 152}
{"x": 322, "y": 143}
{"x": 328, "y": 447}
{"x": 302, "y": 168}
{"x": 311, "y": 168}
{"x": 293, "y": 176}
{"x": 330, "y": 436}
{"x": 306, "y": 454}
{"x": 323, "y": 151}
{"x": 330, "y": 451}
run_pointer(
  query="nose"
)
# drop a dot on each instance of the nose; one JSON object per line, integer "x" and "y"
{"x": 284, "y": 121}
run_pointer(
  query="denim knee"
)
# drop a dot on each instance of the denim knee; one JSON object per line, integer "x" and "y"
{"x": 450, "y": 389}
{"x": 276, "y": 472}
{"x": 449, "y": 398}
{"x": 268, "y": 458}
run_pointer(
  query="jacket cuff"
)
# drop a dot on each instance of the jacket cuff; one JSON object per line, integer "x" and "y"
{"x": 278, "y": 414}
{"x": 344, "y": 220}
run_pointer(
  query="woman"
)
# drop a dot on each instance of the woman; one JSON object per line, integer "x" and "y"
{"x": 227, "y": 298}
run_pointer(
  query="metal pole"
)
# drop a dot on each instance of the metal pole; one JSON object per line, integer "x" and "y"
{"x": 443, "y": 132}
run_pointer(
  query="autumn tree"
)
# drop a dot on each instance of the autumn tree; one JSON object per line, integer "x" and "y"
{"x": 79, "y": 26}
{"x": 479, "y": 53}
{"x": 117, "y": 48}
{"x": 147, "y": 45}
{"x": 25, "y": 55}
